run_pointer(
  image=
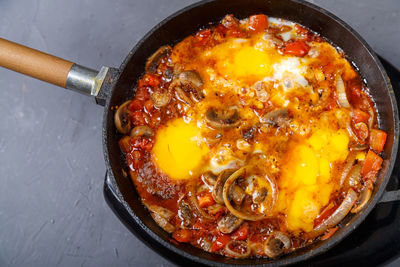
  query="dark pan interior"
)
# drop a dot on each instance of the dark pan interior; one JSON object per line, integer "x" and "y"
{"x": 188, "y": 21}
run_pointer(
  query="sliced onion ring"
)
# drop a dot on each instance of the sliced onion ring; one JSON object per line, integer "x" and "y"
{"x": 339, "y": 214}
{"x": 239, "y": 214}
{"x": 341, "y": 93}
{"x": 364, "y": 197}
{"x": 194, "y": 203}
{"x": 235, "y": 254}
{"x": 270, "y": 247}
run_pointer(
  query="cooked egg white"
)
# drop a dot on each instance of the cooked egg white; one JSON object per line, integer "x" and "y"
{"x": 179, "y": 150}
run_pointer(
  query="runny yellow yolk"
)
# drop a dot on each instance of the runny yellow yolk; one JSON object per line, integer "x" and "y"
{"x": 306, "y": 183}
{"x": 240, "y": 60}
{"x": 178, "y": 150}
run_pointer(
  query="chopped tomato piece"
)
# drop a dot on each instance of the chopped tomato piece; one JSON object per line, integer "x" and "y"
{"x": 125, "y": 144}
{"x": 149, "y": 105}
{"x": 135, "y": 105}
{"x": 377, "y": 140}
{"x": 206, "y": 200}
{"x": 220, "y": 242}
{"x": 203, "y": 36}
{"x": 138, "y": 118}
{"x": 258, "y": 23}
{"x": 296, "y": 48}
{"x": 151, "y": 80}
{"x": 142, "y": 143}
{"x": 182, "y": 235}
{"x": 242, "y": 233}
{"x": 371, "y": 167}
{"x": 359, "y": 116}
{"x": 142, "y": 93}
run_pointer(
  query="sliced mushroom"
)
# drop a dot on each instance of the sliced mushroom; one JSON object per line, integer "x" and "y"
{"x": 364, "y": 197}
{"x": 276, "y": 244}
{"x": 219, "y": 185}
{"x": 185, "y": 213}
{"x": 192, "y": 78}
{"x": 142, "y": 130}
{"x": 160, "y": 99}
{"x": 276, "y": 118}
{"x": 259, "y": 195}
{"x": 188, "y": 82}
{"x": 121, "y": 118}
{"x": 229, "y": 223}
{"x": 161, "y": 216}
{"x": 153, "y": 61}
{"x": 237, "y": 249}
{"x": 237, "y": 194}
{"x": 181, "y": 96}
{"x": 221, "y": 119}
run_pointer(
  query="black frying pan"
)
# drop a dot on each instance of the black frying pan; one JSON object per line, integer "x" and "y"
{"x": 113, "y": 86}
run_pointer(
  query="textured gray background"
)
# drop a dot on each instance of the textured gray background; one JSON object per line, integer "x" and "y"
{"x": 52, "y": 210}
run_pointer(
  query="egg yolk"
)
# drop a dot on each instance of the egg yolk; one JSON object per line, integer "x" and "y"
{"x": 178, "y": 150}
{"x": 306, "y": 184}
{"x": 240, "y": 60}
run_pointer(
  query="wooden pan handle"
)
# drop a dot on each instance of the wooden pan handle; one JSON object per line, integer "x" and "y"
{"x": 34, "y": 63}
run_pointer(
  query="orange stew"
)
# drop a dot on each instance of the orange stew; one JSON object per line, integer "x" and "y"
{"x": 252, "y": 137}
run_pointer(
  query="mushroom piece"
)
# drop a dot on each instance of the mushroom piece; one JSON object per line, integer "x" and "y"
{"x": 188, "y": 82}
{"x": 160, "y": 99}
{"x": 226, "y": 118}
{"x": 364, "y": 197}
{"x": 237, "y": 194}
{"x": 219, "y": 185}
{"x": 153, "y": 61}
{"x": 161, "y": 216}
{"x": 259, "y": 194}
{"x": 276, "y": 118}
{"x": 276, "y": 244}
{"x": 121, "y": 118}
{"x": 142, "y": 130}
{"x": 185, "y": 213}
{"x": 229, "y": 223}
{"x": 237, "y": 249}
{"x": 192, "y": 78}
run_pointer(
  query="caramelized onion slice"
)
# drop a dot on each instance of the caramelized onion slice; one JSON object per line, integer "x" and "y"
{"x": 276, "y": 243}
{"x": 237, "y": 213}
{"x": 121, "y": 118}
{"x": 232, "y": 246}
{"x": 341, "y": 93}
{"x": 339, "y": 214}
{"x": 364, "y": 197}
{"x": 161, "y": 216}
{"x": 347, "y": 167}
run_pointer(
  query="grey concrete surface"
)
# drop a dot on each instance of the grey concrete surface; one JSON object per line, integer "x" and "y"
{"x": 52, "y": 211}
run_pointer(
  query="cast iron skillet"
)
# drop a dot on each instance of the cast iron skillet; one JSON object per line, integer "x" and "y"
{"x": 111, "y": 86}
